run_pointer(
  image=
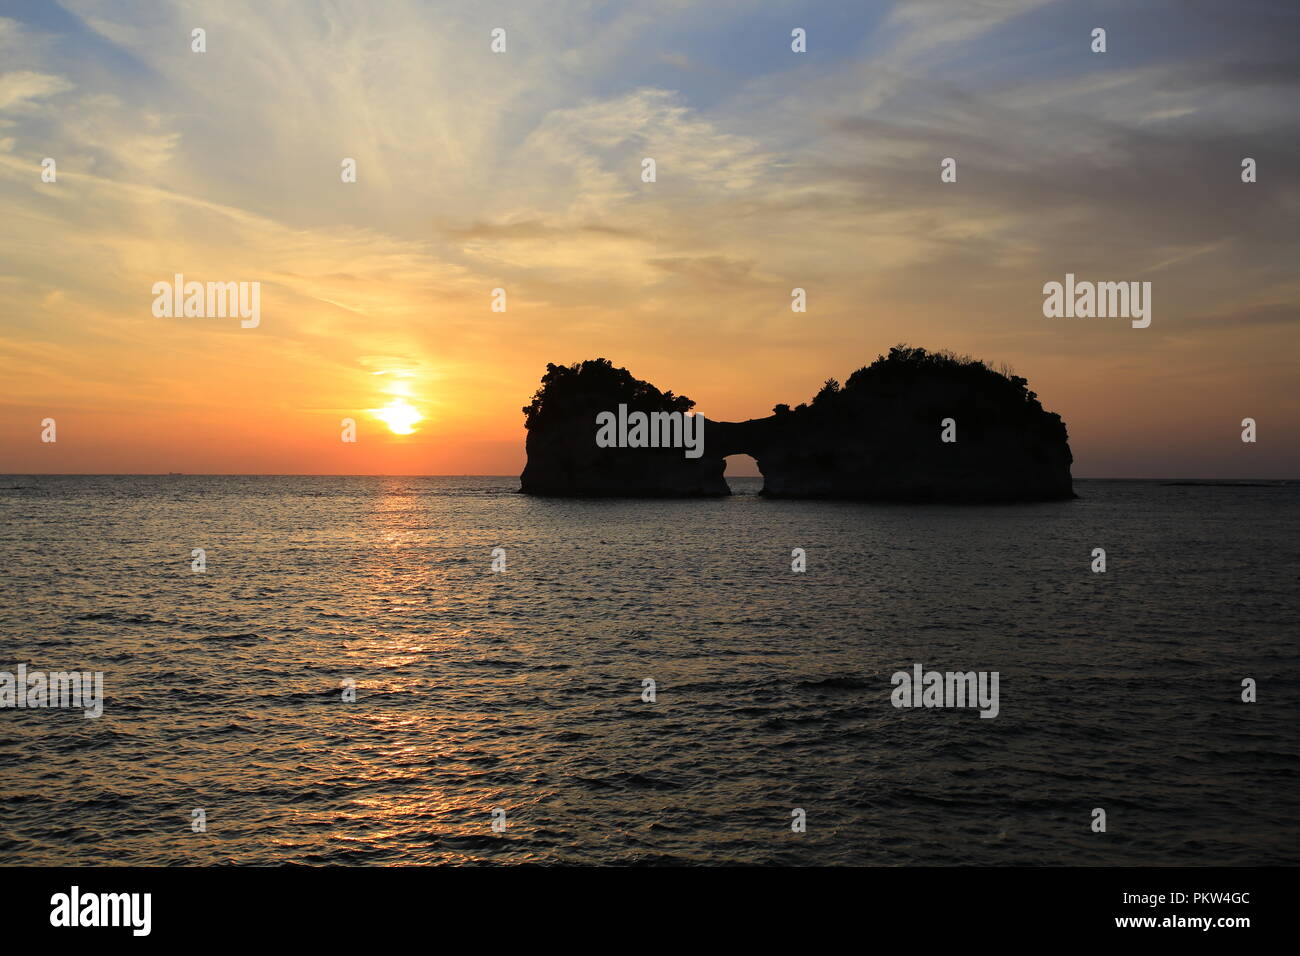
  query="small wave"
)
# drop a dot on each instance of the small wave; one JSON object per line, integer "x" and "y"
{"x": 630, "y": 781}
{"x": 838, "y": 683}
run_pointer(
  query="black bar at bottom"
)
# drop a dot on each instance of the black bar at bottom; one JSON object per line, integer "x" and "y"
{"x": 342, "y": 906}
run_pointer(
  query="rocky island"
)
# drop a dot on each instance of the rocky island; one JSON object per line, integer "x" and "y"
{"x": 912, "y": 426}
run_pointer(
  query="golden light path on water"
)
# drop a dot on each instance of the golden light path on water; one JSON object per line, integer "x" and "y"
{"x": 350, "y": 681}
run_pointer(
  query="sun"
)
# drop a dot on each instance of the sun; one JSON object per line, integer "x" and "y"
{"x": 399, "y": 415}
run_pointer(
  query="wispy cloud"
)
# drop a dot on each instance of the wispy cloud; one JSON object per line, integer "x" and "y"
{"x": 522, "y": 171}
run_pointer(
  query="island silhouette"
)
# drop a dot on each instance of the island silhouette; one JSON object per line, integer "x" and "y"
{"x": 911, "y": 426}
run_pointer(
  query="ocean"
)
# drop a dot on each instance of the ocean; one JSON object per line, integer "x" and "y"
{"x": 522, "y": 690}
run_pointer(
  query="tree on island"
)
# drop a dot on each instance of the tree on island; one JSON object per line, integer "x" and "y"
{"x": 595, "y": 385}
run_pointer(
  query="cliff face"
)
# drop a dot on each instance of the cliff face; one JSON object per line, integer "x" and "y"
{"x": 878, "y": 437}
{"x": 881, "y": 435}
{"x": 564, "y": 459}
{"x": 572, "y": 466}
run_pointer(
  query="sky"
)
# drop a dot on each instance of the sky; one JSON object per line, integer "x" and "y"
{"x": 522, "y": 170}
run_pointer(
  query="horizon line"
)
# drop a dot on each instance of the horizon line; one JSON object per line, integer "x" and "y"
{"x": 304, "y": 474}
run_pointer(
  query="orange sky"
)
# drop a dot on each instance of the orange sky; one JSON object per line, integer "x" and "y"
{"x": 522, "y": 171}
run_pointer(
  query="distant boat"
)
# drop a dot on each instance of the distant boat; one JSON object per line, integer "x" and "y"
{"x": 175, "y": 473}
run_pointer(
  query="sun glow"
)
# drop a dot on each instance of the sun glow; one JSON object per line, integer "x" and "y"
{"x": 399, "y": 415}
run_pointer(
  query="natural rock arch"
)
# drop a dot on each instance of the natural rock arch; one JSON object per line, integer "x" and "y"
{"x": 878, "y": 437}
